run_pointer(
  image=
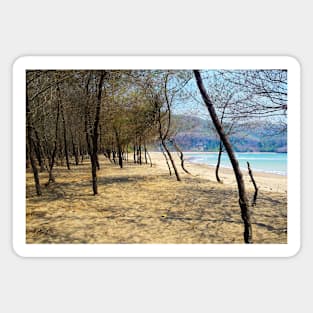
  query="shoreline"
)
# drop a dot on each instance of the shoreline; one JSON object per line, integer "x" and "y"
{"x": 230, "y": 168}
{"x": 266, "y": 181}
{"x": 190, "y": 157}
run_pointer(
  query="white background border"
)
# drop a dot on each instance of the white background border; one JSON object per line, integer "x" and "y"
{"x": 145, "y": 250}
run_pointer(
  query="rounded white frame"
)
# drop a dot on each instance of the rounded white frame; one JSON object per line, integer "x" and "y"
{"x": 155, "y": 250}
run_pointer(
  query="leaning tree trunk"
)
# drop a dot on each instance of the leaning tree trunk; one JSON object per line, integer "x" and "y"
{"x": 147, "y": 154}
{"x": 243, "y": 199}
{"x": 166, "y": 159}
{"x": 220, "y": 151}
{"x": 30, "y": 148}
{"x": 181, "y": 156}
{"x": 256, "y": 189}
{"x": 171, "y": 160}
{"x": 149, "y": 158}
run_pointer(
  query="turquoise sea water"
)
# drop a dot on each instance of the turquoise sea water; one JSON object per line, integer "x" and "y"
{"x": 262, "y": 161}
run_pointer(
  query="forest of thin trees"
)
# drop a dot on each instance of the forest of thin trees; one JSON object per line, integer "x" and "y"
{"x": 73, "y": 116}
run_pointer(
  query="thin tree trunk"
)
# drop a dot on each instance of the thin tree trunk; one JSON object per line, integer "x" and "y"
{"x": 30, "y": 147}
{"x": 163, "y": 136}
{"x": 39, "y": 152}
{"x": 135, "y": 161}
{"x": 171, "y": 160}
{"x": 149, "y": 157}
{"x": 86, "y": 124}
{"x": 107, "y": 153}
{"x": 139, "y": 153}
{"x": 81, "y": 151}
{"x": 256, "y": 189}
{"x": 114, "y": 156}
{"x": 119, "y": 149}
{"x": 65, "y": 141}
{"x": 243, "y": 199}
{"x": 166, "y": 160}
{"x": 38, "y": 155}
{"x": 120, "y": 157}
{"x": 218, "y": 163}
{"x": 75, "y": 152}
{"x": 145, "y": 148}
{"x": 94, "y": 157}
{"x": 52, "y": 162}
{"x": 181, "y": 156}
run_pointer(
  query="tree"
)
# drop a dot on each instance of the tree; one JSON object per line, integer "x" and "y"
{"x": 92, "y": 138}
{"x": 243, "y": 199}
{"x": 30, "y": 147}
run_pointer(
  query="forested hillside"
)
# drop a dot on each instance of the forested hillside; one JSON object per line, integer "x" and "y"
{"x": 197, "y": 134}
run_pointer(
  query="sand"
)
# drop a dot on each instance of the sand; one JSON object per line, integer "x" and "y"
{"x": 143, "y": 204}
{"x": 265, "y": 181}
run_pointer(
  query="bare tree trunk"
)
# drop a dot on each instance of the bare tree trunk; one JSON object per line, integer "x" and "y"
{"x": 39, "y": 151}
{"x": 65, "y": 141}
{"x": 107, "y": 154}
{"x": 120, "y": 157}
{"x": 52, "y": 161}
{"x": 171, "y": 160}
{"x": 86, "y": 113}
{"x": 166, "y": 160}
{"x": 80, "y": 151}
{"x": 149, "y": 158}
{"x": 119, "y": 149}
{"x": 163, "y": 138}
{"x": 139, "y": 153}
{"x": 218, "y": 163}
{"x": 135, "y": 161}
{"x": 38, "y": 155}
{"x": 243, "y": 199}
{"x": 181, "y": 156}
{"x": 30, "y": 147}
{"x": 256, "y": 189}
{"x": 145, "y": 148}
{"x": 94, "y": 155}
{"x": 114, "y": 156}
{"x": 27, "y": 155}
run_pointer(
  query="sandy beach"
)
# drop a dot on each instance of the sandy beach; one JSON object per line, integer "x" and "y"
{"x": 265, "y": 181}
{"x": 143, "y": 204}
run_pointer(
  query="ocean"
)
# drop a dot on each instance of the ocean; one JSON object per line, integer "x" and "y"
{"x": 259, "y": 161}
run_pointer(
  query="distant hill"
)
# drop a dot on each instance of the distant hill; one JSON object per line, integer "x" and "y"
{"x": 196, "y": 134}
